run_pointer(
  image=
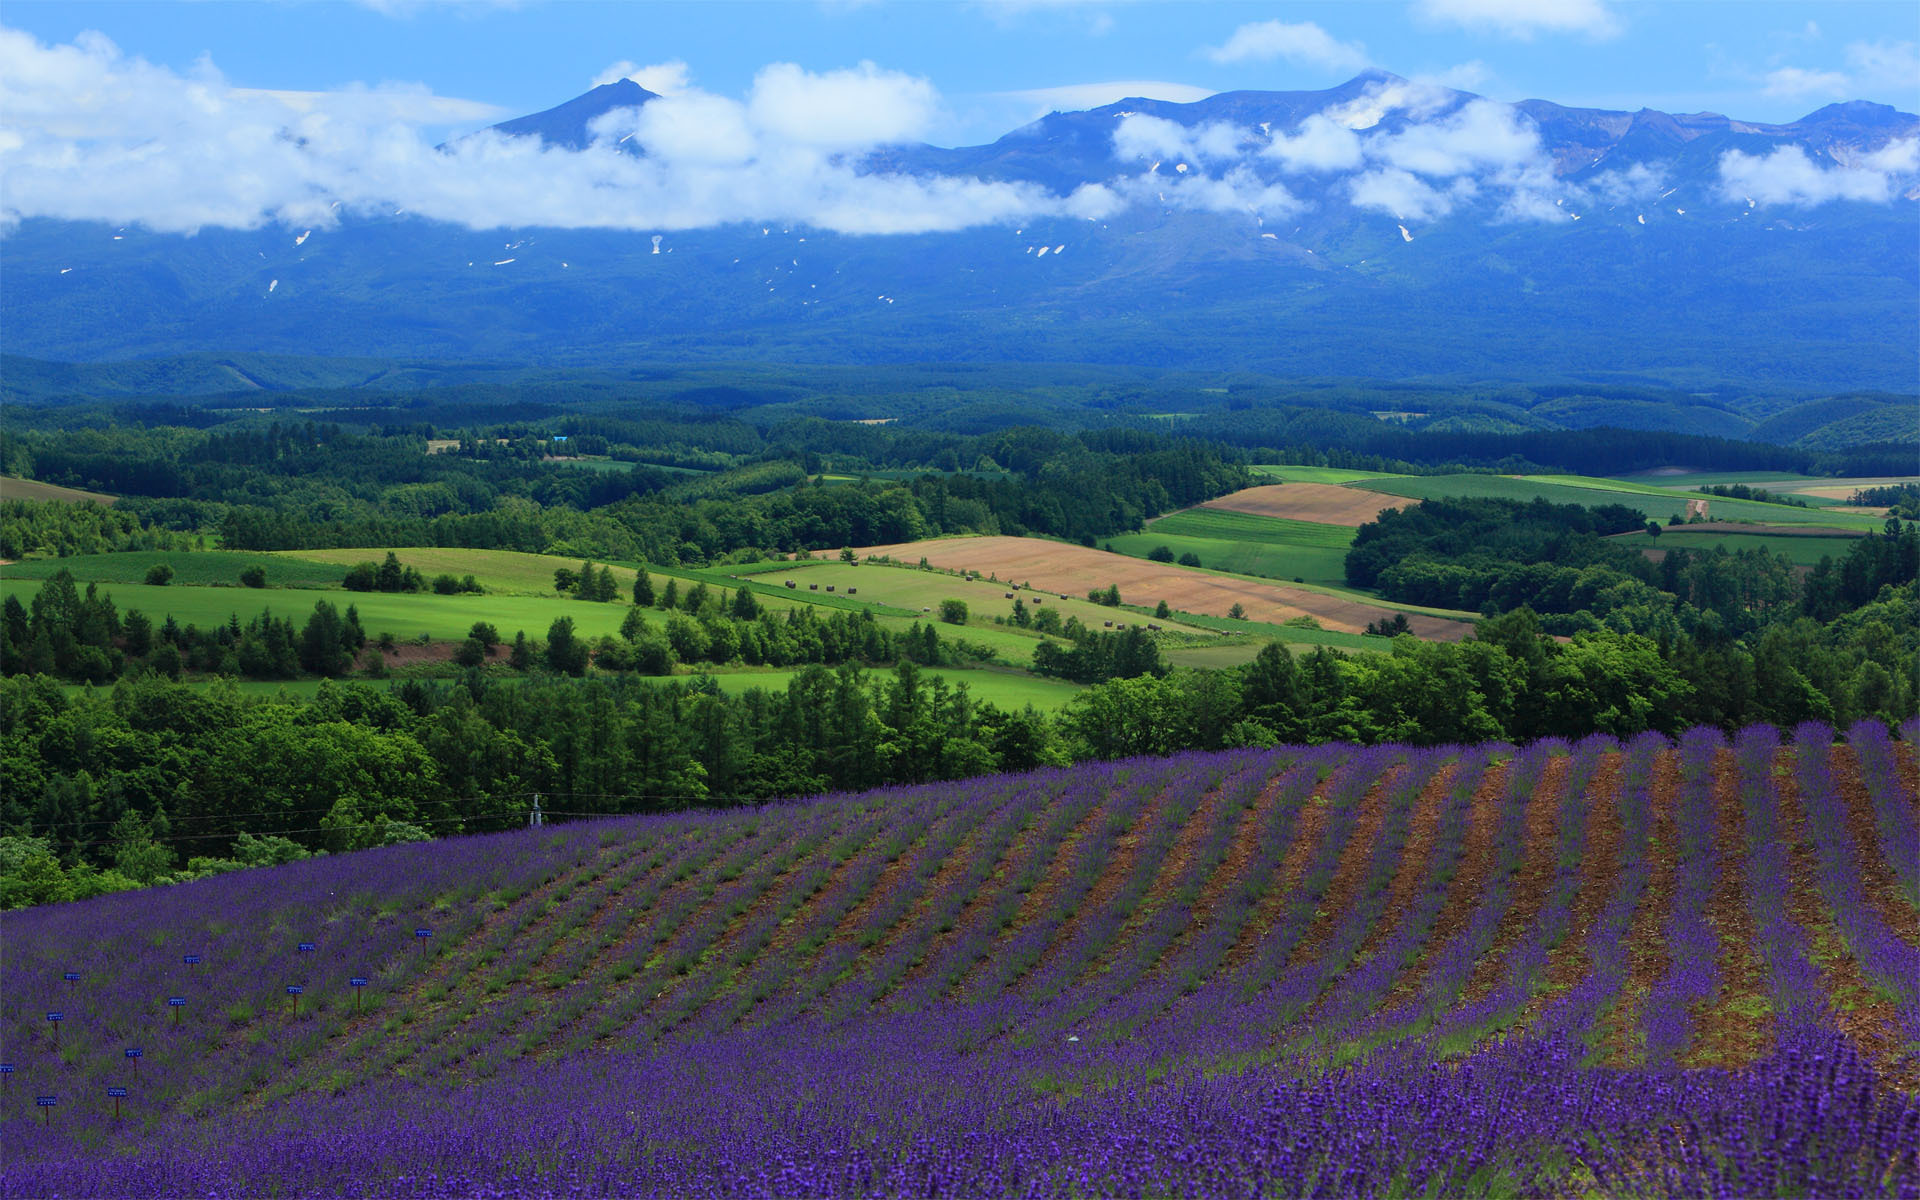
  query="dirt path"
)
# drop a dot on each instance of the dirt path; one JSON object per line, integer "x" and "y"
{"x": 1539, "y": 858}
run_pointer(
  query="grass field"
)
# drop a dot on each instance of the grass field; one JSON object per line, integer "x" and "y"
{"x": 1226, "y": 525}
{"x": 1656, "y": 504}
{"x": 33, "y": 489}
{"x": 1800, "y": 550}
{"x": 499, "y": 571}
{"x": 909, "y": 590}
{"x": 1306, "y": 564}
{"x": 442, "y": 618}
{"x": 1279, "y": 473}
{"x": 1004, "y": 689}
{"x": 203, "y": 568}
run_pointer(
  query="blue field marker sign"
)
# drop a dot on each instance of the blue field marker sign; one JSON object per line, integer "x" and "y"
{"x": 71, "y": 976}
{"x": 55, "y": 1018}
{"x": 133, "y": 1053}
{"x": 357, "y": 983}
{"x": 293, "y": 997}
{"x": 189, "y": 960}
{"x": 176, "y": 1003}
{"x": 307, "y": 947}
{"x": 46, "y": 1104}
{"x": 116, "y": 1094}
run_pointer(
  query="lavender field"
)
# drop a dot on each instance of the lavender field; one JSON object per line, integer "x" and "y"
{"x": 1656, "y": 967}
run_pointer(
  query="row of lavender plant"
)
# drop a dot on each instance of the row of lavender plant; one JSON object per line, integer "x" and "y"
{"x": 1451, "y": 965}
{"x": 1575, "y": 1016}
{"x": 1793, "y": 982}
{"x": 1692, "y": 981}
{"x": 1895, "y": 817}
{"x": 1890, "y": 961}
{"x": 1304, "y": 981}
{"x": 820, "y": 1113}
{"x": 1364, "y": 986}
{"x": 1162, "y": 1014}
{"x": 1527, "y": 960}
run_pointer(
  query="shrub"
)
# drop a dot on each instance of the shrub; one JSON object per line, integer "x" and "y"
{"x": 254, "y": 577}
{"x": 159, "y": 575}
{"x": 953, "y": 612}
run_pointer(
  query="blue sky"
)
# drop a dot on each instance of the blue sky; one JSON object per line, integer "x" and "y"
{"x": 993, "y": 63}
{"x": 186, "y": 115}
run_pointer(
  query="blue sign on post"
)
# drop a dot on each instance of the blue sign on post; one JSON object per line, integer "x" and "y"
{"x": 191, "y": 960}
{"x": 176, "y": 1003}
{"x": 307, "y": 947}
{"x": 46, "y": 1103}
{"x": 423, "y": 932}
{"x": 56, "y": 1016}
{"x": 356, "y": 981}
{"x": 117, "y": 1093}
{"x": 133, "y": 1052}
{"x": 71, "y": 977}
{"x": 6, "y": 1068}
{"x": 294, "y": 989}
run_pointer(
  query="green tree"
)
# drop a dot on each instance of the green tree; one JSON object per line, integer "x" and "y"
{"x": 953, "y": 612}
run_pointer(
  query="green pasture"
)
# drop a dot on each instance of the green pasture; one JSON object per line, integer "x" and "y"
{"x": 1225, "y": 525}
{"x": 405, "y": 615}
{"x": 910, "y": 589}
{"x": 199, "y": 568}
{"x": 1281, "y": 473}
{"x": 32, "y": 489}
{"x": 1309, "y": 564}
{"x": 1658, "y": 504}
{"x": 1004, "y": 689}
{"x": 499, "y": 571}
{"x": 1801, "y": 551}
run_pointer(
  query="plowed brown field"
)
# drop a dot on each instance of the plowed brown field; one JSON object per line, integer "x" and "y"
{"x": 1326, "y": 503}
{"x": 1076, "y": 570}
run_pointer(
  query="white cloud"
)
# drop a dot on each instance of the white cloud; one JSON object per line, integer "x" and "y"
{"x": 1523, "y": 18}
{"x": 1639, "y": 183}
{"x": 1479, "y": 135}
{"x": 1404, "y": 195}
{"x": 1303, "y": 44}
{"x": 662, "y": 79}
{"x": 1077, "y": 96}
{"x": 1794, "y": 82}
{"x": 1788, "y": 176}
{"x": 843, "y": 109}
{"x": 1142, "y": 138}
{"x": 1418, "y": 100}
{"x": 89, "y": 134}
{"x": 1318, "y": 144}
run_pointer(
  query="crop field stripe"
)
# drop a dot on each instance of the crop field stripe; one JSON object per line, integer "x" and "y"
{"x": 1843, "y": 990}
{"x": 1357, "y": 898}
{"x": 1568, "y": 968}
{"x": 1340, "y": 801}
{"x": 1151, "y": 908}
{"x": 1865, "y": 921}
{"x": 956, "y": 936}
{"x": 1092, "y": 873}
{"x": 1692, "y": 982}
{"x": 895, "y": 937}
{"x": 1450, "y": 964}
{"x": 1865, "y": 854}
{"x": 1148, "y": 935}
{"x": 1434, "y": 850}
{"x": 1893, "y": 799}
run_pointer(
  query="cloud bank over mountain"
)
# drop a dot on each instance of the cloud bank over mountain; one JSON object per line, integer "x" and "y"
{"x": 87, "y": 133}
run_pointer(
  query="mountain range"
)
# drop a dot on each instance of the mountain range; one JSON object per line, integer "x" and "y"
{"x": 1382, "y": 229}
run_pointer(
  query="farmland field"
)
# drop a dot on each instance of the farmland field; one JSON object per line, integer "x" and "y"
{"x": 1075, "y": 570}
{"x": 911, "y": 591}
{"x": 1290, "y": 474}
{"x": 1312, "y": 503}
{"x": 1005, "y": 689}
{"x": 1799, "y": 549}
{"x": 1307, "y": 564}
{"x": 1286, "y": 971}
{"x": 32, "y": 489}
{"x": 1558, "y": 490}
{"x": 202, "y": 568}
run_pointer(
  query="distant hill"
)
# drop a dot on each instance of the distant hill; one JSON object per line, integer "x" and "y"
{"x": 1666, "y": 276}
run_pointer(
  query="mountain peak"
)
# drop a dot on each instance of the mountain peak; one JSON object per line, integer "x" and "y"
{"x": 568, "y": 124}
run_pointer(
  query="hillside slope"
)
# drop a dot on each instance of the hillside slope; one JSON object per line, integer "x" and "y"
{"x": 1252, "y": 970}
